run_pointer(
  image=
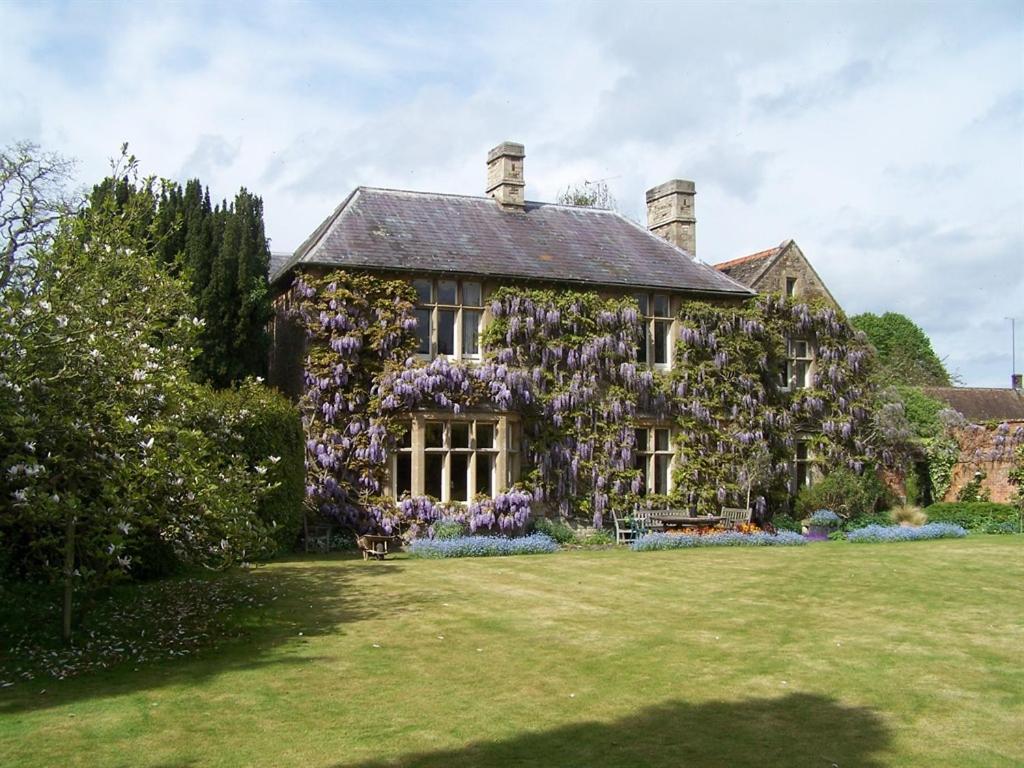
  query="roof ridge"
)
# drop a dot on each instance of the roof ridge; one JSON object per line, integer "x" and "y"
{"x": 765, "y": 254}
{"x": 488, "y": 198}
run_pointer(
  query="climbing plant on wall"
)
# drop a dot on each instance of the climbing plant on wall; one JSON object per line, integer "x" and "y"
{"x": 565, "y": 360}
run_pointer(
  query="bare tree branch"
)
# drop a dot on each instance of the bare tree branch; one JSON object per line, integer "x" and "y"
{"x": 33, "y": 198}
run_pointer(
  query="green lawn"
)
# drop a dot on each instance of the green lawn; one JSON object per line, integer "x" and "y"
{"x": 831, "y": 654}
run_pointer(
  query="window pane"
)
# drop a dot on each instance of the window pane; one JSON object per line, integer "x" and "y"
{"x": 660, "y": 305}
{"x": 641, "y": 300}
{"x": 661, "y": 464}
{"x": 801, "y": 475}
{"x": 641, "y": 351}
{"x": 471, "y": 294}
{"x": 661, "y": 439}
{"x": 435, "y": 434}
{"x": 790, "y": 286}
{"x": 470, "y": 331}
{"x": 640, "y": 435}
{"x": 460, "y": 434}
{"x": 661, "y": 342}
{"x": 403, "y": 474}
{"x": 801, "y": 451}
{"x": 485, "y": 473}
{"x": 460, "y": 477}
{"x": 423, "y": 331}
{"x": 446, "y": 291}
{"x": 799, "y": 374}
{"x": 405, "y": 439}
{"x": 446, "y": 332}
{"x": 799, "y": 349}
{"x": 433, "y": 469}
{"x": 484, "y": 435}
{"x": 422, "y": 290}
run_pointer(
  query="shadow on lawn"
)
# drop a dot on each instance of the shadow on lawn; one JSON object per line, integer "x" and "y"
{"x": 284, "y": 606}
{"x": 795, "y": 730}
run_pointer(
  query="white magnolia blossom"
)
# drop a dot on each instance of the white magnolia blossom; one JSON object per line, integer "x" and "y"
{"x": 132, "y": 419}
{"x": 20, "y": 495}
{"x": 146, "y": 444}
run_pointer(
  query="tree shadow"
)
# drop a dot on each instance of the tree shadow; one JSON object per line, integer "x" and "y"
{"x": 293, "y": 601}
{"x": 795, "y": 730}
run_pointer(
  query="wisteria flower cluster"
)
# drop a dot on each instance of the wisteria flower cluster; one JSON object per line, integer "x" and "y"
{"x": 657, "y": 541}
{"x": 483, "y": 546}
{"x": 883, "y": 533}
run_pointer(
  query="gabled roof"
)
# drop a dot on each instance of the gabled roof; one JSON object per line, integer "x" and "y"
{"x": 277, "y": 261}
{"x": 747, "y": 269}
{"x": 978, "y": 404}
{"x": 386, "y": 229}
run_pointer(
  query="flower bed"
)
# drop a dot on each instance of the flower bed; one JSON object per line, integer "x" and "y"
{"x": 656, "y": 541}
{"x": 483, "y": 546}
{"x": 874, "y": 533}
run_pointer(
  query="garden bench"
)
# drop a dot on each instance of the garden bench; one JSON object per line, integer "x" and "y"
{"x": 734, "y": 517}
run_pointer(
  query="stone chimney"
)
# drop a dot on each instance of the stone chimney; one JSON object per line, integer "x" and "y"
{"x": 505, "y": 174}
{"x": 670, "y": 213}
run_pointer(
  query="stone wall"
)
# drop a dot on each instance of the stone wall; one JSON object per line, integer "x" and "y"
{"x": 989, "y": 450}
{"x": 792, "y": 263}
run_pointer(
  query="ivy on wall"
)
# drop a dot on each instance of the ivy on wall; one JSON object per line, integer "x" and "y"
{"x": 565, "y": 360}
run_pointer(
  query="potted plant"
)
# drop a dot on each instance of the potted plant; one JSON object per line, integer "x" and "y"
{"x": 821, "y": 523}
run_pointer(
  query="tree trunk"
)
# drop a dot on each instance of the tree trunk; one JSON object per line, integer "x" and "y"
{"x": 69, "y": 575}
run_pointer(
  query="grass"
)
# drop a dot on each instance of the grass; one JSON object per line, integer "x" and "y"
{"x": 831, "y": 654}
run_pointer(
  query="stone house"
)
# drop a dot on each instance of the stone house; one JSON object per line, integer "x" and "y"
{"x": 456, "y": 250}
{"x": 785, "y": 270}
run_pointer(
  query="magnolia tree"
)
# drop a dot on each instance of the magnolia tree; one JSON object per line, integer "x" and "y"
{"x": 102, "y": 459}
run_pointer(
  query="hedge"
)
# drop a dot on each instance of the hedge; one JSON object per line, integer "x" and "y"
{"x": 981, "y": 516}
{"x": 266, "y": 424}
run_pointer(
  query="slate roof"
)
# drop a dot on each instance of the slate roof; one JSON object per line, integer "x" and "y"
{"x": 425, "y": 232}
{"x": 277, "y": 261}
{"x": 746, "y": 269}
{"x": 979, "y": 404}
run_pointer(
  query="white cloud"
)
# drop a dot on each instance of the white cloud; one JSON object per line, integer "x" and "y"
{"x": 886, "y": 140}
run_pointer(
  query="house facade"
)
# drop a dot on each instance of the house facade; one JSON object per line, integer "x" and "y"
{"x": 457, "y": 251}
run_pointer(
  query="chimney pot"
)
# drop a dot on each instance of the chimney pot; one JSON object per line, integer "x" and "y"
{"x": 505, "y": 174}
{"x": 670, "y": 213}
{"x": 1017, "y": 381}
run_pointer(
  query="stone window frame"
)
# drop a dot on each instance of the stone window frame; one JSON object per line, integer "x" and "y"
{"x": 803, "y": 474}
{"x": 652, "y": 453}
{"x": 797, "y": 359}
{"x": 435, "y": 303}
{"x": 504, "y": 454}
{"x": 655, "y": 316}
{"x": 791, "y": 284}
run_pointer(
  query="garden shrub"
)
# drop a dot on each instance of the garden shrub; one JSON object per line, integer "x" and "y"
{"x": 846, "y": 493}
{"x": 786, "y": 523}
{"x": 884, "y": 533}
{"x": 556, "y": 529}
{"x": 824, "y": 518}
{"x": 658, "y": 541}
{"x": 264, "y": 427}
{"x": 596, "y": 538}
{"x": 974, "y": 516}
{"x": 875, "y": 518}
{"x": 447, "y": 529}
{"x": 483, "y": 546}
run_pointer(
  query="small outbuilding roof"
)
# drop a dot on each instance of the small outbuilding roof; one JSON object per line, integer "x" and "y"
{"x": 421, "y": 232}
{"x": 978, "y": 404}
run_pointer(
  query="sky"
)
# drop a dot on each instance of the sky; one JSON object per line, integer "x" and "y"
{"x": 887, "y": 139}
